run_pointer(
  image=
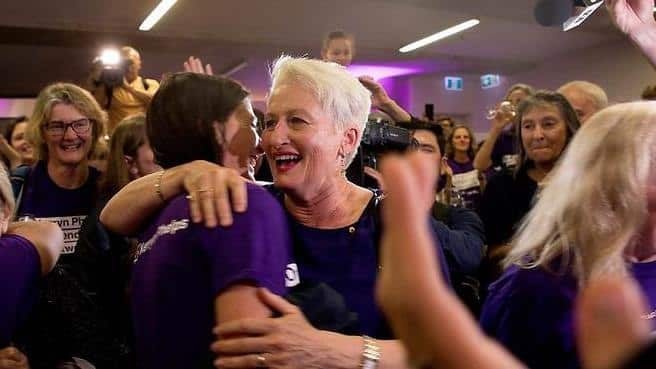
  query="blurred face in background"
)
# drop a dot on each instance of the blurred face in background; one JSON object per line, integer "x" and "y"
{"x": 461, "y": 140}
{"x": 516, "y": 97}
{"x": 339, "y": 50}
{"x": 19, "y": 142}
{"x": 68, "y": 135}
{"x": 583, "y": 104}
{"x": 544, "y": 134}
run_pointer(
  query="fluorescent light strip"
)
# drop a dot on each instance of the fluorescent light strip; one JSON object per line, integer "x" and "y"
{"x": 156, "y": 14}
{"x": 440, "y": 35}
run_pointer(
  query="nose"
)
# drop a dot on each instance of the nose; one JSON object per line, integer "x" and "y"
{"x": 69, "y": 133}
{"x": 277, "y": 136}
{"x": 538, "y": 133}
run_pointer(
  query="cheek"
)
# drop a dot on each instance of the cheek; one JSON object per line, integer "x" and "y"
{"x": 242, "y": 143}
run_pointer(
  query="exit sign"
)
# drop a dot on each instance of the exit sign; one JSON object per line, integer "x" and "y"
{"x": 453, "y": 83}
{"x": 490, "y": 80}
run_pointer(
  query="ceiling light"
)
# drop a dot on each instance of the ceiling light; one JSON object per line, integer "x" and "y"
{"x": 440, "y": 35}
{"x": 156, "y": 14}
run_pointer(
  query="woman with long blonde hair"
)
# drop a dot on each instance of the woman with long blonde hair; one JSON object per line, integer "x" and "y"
{"x": 596, "y": 216}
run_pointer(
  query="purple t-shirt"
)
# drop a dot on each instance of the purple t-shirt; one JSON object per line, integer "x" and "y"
{"x": 181, "y": 267}
{"x": 466, "y": 182}
{"x": 20, "y": 272}
{"x": 530, "y": 312}
{"x": 44, "y": 200}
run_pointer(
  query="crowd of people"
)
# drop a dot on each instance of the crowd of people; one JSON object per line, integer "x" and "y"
{"x": 139, "y": 227}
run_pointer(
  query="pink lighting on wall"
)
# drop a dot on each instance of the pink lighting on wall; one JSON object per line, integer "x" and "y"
{"x": 381, "y": 71}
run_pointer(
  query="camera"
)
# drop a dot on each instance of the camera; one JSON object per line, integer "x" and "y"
{"x": 114, "y": 67}
{"x": 379, "y": 138}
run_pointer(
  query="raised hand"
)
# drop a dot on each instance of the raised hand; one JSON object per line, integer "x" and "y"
{"x": 195, "y": 65}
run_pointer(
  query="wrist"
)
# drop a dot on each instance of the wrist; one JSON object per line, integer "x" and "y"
{"x": 644, "y": 38}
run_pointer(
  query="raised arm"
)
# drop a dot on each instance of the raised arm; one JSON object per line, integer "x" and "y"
{"x": 382, "y": 101}
{"x": 483, "y": 159}
{"x": 215, "y": 191}
{"x": 46, "y": 237}
{"x": 433, "y": 325}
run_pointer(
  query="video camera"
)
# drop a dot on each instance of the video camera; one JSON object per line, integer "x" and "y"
{"x": 114, "y": 67}
{"x": 379, "y": 137}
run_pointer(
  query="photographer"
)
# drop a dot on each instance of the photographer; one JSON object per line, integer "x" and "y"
{"x": 121, "y": 98}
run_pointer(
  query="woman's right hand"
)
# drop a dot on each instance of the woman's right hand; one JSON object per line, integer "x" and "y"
{"x": 11, "y": 358}
{"x": 505, "y": 115}
{"x": 632, "y": 16}
{"x": 195, "y": 65}
{"x": 214, "y": 192}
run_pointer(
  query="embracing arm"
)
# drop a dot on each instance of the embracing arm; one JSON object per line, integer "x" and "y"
{"x": 46, "y": 237}
{"x": 213, "y": 188}
{"x": 635, "y": 18}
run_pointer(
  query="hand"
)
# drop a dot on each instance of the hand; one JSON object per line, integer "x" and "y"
{"x": 195, "y": 65}
{"x": 373, "y": 173}
{"x": 286, "y": 342}
{"x": 212, "y": 189}
{"x": 610, "y": 327}
{"x": 11, "y": 358}
{"x": 379, "y": 97}
{"x": 505, "y": 115}
{"x": 9, "y": 152}
{"x": 632, "y": 16}
{"x": 445, "y": 168}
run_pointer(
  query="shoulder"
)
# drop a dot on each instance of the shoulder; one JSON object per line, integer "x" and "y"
{"x": 18, "y": 252}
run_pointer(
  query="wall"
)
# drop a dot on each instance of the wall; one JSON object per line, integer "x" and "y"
{"x": 618, "y": 67}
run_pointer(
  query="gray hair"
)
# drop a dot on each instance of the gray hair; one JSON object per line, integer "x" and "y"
{"x": 592, "y": 90}
{"x": 340, "y": 94}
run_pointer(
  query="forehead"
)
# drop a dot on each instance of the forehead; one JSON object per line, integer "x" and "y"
{"x": 541, "y": 111}
{"x": 517, "y": 93}
{"x": 339, "y": 43}
{"x": 461, "y": 131}
{"x": 425, "y": 137}
{"x": 291, "y": 96}
{"x": 62, "y": 111}
{"x": 577, "y": 97}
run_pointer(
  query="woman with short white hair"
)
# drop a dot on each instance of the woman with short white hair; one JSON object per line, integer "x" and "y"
{"x": 596, "y": 216}
{"x": 316, "y": 113}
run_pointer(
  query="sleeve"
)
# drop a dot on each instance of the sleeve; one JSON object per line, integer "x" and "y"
{"x": 441, "y": 253}
{"x": 20, "y": 272}
{"x": 463, "y": 241}
{"x": 255, "y": 249}
{"x": 532, "y": 318}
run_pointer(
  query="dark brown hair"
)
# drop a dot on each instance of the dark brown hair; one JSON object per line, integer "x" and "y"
{"x": 129, "y": 135}
{"x": 181, "y": 116}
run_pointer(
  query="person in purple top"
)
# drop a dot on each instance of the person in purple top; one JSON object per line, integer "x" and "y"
{"x": 466, "y": 180}
{"x": 186, "y": 277}
{"x": 28, "y": 250}
{"x": 604, "y": 222}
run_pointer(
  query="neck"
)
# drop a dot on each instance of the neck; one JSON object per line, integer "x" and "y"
{"x": 333, "y": 207}
{"x": 540, "y": 171}
{"x": 68, "y": 176}
{"x": 131, "y": 78}
{"x": 461, "y": 157}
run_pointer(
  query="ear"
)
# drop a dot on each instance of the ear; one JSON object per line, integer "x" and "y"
{"x": 324, "y": 53}
{"x": 129, "y": 160}
{"x": 349, "y": 141}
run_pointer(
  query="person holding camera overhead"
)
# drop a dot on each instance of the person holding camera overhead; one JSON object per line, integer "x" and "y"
{"x": 130, "y": 97}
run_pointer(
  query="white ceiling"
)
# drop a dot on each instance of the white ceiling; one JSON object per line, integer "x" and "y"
{"x": 56, "y": 39}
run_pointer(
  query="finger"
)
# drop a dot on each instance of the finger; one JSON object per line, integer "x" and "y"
{"x": 244, "y": 361}
{"x": 206, "y": 201}
{"x": 199, "y": 66}
{"x": 243, "y": 345}
{"x": 194, "y": 209}
{"x": 238, "y": 192}
{"x": 222, "y": 201}
{"x": 609, "y": 324}
{"x": 208, "y": 69}
{"x": 400, "y": 203}
{"x": 276, "y": 303}
{"x": 186, "y": 66}
{"x": 245, "y": 327}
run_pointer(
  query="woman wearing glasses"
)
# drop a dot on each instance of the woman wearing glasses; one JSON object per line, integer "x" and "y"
{"x": 61, "y": 188}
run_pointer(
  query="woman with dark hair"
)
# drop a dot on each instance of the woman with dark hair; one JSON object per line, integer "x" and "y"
{"x": 185, "y": 270}
{"x": 15, "y": 148}
{"x": 466, "y": 181}
{"x": 546, "y": 123}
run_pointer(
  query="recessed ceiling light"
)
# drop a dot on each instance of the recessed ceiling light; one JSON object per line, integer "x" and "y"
{"x": 440, "y": 35}
{"x": 156, "y": 14}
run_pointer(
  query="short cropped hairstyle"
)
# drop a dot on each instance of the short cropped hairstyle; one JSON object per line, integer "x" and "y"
{"x": 527, "y": 89}
{"x": 181, "y": 116}
{"x": 434, "y": 128}
{"x": 594, "y": 91}
{"x": 595, "y": 203}
{"x": 540, "y": 99}
{"x": 69, "y": 94}
{"x": 340, "y": 94}
{"x": 128, "y": 137}
{"x": 471, "y": 152}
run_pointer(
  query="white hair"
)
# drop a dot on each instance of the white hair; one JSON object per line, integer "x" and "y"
{"x": 593, "y": 207}
{"x": 593, "y": 90}
{"x": 340, "y": 94}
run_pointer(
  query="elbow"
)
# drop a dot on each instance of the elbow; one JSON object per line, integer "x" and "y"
{"x": 51, "y": 245}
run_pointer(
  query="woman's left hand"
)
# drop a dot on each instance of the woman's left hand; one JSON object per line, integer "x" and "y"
{"x": 285, "y": 342}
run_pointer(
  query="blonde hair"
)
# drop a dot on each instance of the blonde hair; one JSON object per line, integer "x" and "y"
{"x": 69, "y": 94}
{"x": 129, "y": 136}
{"x": 592, "y": 90}
{"x": 595, "y": 203}
{"x": 340, "y": 94}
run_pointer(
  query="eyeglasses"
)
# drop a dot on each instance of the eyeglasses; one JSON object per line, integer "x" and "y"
{"x": 58, "y": 128}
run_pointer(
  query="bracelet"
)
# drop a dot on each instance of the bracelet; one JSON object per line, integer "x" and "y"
{"x": 158, "y": 186}
{"x": 370, "y": 353}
